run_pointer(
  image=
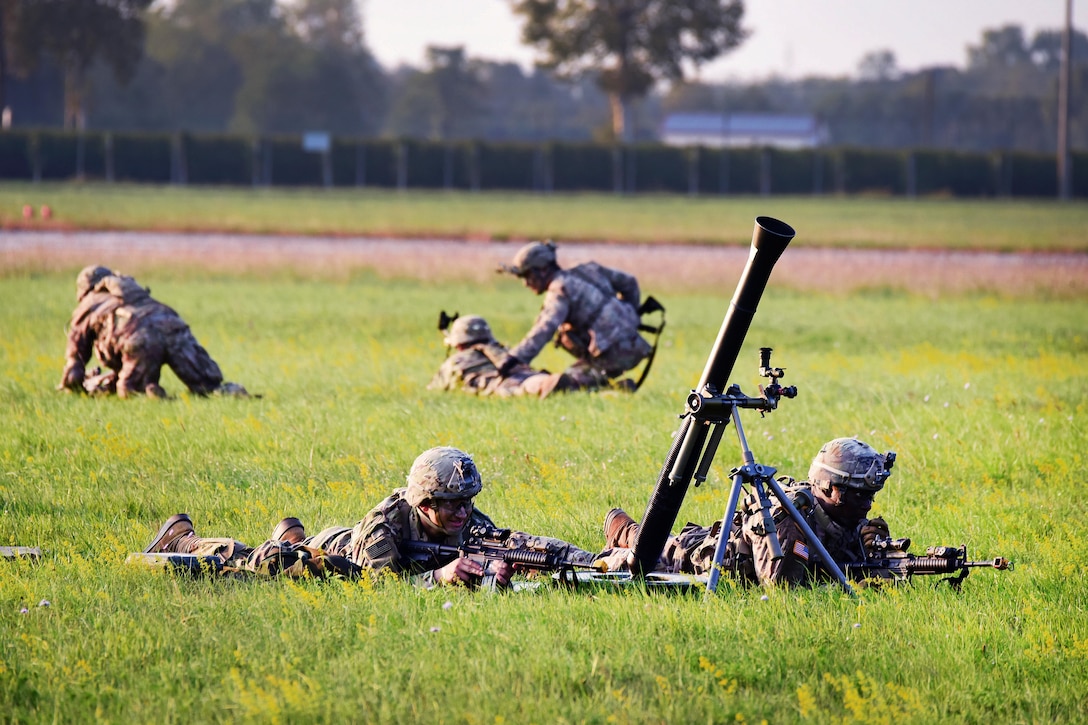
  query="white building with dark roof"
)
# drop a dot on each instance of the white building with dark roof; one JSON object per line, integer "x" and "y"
{"x": 781, "y": 130}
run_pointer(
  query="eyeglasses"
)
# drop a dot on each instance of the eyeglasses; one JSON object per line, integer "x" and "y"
{"x": 856, "y": 495}
{"x": 453, "y": 506}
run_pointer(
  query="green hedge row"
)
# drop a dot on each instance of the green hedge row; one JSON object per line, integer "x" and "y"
{"x": 642, "y": 167}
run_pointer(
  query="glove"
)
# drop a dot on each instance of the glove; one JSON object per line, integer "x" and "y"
{"x": 72, "y": 378}
{"x": 508, "y": 366}
{"x": 877, "y": 527}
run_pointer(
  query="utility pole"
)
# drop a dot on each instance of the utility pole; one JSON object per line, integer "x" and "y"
{"x": 1064, "y": 170}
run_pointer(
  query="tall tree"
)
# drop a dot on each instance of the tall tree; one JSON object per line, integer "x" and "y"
{"x": 75, "y": 34}
{"x": 629, "y": 44}
{"x": 333, "y": 29}
{"x": 444, "y": 101}
{"x": 1046, "y": 48}
{"x": 1003, "y": 47}
{"x": 878, "y": 65}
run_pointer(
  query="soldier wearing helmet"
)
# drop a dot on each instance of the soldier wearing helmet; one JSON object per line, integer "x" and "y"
{"x": 835, "y": 500}
{"x": 475, "y": 360}
{"x": 591, "y": 311}
{"x": 438, "y": 505}
{"x": 133, "y": 336}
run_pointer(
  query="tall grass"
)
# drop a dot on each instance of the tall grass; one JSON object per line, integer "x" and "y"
{"x": 983, "y": 398}
{"x": 992, "y": 224}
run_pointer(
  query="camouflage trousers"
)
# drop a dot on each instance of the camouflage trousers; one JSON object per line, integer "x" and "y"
{"x": 692, "y": 552}
{"x": 598, "y": 372}
{"x": 536, "y": 384}
{"x": 748, "y": 553}
{"x": 274, "y": 558}
{"x": 145, "y": 352}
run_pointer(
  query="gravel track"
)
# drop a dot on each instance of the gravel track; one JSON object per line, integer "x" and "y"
{"x": 659, "y": 267}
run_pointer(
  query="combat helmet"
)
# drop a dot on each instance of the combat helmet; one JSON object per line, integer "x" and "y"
{"x": 88, "y": 278}
{"x": 468, "y": 330}
{"x": 535, "y": 255}
{"x": 849, "y": 463}
{"x": 442, "y": 473}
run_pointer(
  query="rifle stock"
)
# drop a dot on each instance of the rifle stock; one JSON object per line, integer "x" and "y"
{"x": 769, "y": 240}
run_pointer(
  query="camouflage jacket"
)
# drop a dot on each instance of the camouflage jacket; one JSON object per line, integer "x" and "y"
{"x": 801, "y": 562}
{"x": 591, "y": 307}
{"x": 109, "y": 317}
{"x": 376, "y": 540}
{"x": 474, "y": 369}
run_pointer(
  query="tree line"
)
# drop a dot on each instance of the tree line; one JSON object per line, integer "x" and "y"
{"x": 262, "y": 67}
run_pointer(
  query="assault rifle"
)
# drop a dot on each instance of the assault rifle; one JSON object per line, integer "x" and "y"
{"x": 188, "y": 564}
{"x": 892, "y": 560}
{"x": 485, "y": 544}
{"x": 445, "y": 320}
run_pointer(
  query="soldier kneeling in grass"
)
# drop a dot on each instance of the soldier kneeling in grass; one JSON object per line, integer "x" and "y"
{"x": 134, "y": 335}
{"x": 591, "y": 310}
{"x": 436, "y": 507}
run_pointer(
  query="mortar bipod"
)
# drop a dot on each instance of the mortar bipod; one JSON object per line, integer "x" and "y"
{"x": 710, "y": 410}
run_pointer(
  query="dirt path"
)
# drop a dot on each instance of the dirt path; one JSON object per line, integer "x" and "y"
{"x": 659, "y": 267}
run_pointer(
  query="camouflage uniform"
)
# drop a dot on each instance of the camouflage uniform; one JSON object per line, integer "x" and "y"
{"x": 592, "y": 312}
{"x": 475, "y": 362}
{"x": 845, "y": 463}
{"x": 272, "y": 558}
{"x": 748, "y": 552}
{"x": 133, "y": 336}
{"x": 375, "y": 543}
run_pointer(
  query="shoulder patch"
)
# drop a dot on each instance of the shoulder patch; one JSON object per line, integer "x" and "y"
{"x": 800, "y": 550}
{"x": 379, "y": 549}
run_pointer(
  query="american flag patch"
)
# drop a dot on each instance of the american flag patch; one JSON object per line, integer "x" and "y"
{"x": 379, "y": 549}
{"x": 800, "y": 549}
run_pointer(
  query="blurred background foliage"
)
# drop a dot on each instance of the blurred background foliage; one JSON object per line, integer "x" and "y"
{"x": 268, "y": 67}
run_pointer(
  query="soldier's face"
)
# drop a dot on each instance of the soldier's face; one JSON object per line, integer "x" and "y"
{"x": 846, "y": 506}
{"x": 447, "y": 516}
{"x": 534, "y": 279}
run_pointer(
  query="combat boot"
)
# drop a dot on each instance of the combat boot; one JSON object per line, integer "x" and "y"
{"x": 620, "y": 530}
{"x": 290, "y": 530}
{"x": 175, "y": 537}
{"x": 154, "y": 390}
{"x": 231, "y": 390}
{"x": 555, "y": 383}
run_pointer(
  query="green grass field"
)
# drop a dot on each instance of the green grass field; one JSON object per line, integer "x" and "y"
{"x": 984, "y": 398}
{"x": 995, "y": 224}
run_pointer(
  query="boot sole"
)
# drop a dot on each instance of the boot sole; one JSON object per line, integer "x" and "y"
{"x": 287, "y": 526}
{"x": 170, "y": 523}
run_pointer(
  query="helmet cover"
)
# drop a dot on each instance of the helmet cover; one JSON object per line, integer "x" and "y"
{"x": 87, "y": 278}
{"x": 535, "y": 255}
{"x": 442, "y": 473}
{"x": 467, "y": 330}
{"x": 849, "y": 463}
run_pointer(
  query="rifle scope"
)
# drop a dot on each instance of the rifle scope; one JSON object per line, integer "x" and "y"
{"x": 769, "y": 240}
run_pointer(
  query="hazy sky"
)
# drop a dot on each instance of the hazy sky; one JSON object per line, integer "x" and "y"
{"x": 789, "y": 38}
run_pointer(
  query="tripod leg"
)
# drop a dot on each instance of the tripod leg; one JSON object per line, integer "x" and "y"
{"x": 723, "y": 535}
{"x": 768, "y": 519}
{"x": 829, "y": 563}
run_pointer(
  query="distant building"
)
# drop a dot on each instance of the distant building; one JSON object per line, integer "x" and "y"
{"x": 782, "y": 130}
